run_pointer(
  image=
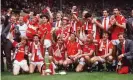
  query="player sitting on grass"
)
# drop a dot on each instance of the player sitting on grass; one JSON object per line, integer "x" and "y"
{"x": 59, "y": 52}
{"x": 37, "y": 53}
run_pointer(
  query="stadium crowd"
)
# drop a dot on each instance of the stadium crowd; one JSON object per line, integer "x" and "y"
{"x": 80, "y": 38}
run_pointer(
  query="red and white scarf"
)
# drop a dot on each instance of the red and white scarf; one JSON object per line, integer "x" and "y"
{"x": 57, "y": 53}
{"x": 74, "y": 26}
{"x": 26, "y": 50}
{"x": 102, "y": 45}
{"x": 37, "y": 49}
{"x": 58, "y": 24}
{"x": 93, "y": 29}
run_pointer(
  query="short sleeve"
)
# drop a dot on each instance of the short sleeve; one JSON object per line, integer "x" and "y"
{"x": 110, "y": 45}
{"x": 15, "y": 43}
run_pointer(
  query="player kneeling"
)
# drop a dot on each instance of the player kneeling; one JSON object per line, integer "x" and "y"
{"x": 73, "y": 51}
{"x": 104, "y": 54}
{"x": 88, "y": 50}
{"x": 21, "y": 49}
{"x": 59, "y": 52}
{"x": 37, "y": 54}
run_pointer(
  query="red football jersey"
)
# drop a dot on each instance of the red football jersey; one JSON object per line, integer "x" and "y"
{"x": 90, "y": 27}
{"x": 59, "y": 53}
{"x": 103, "y": 48}
{"x": 43, "y": 28}
{"x": 20, "y": 52}
{"x": 88, "y": 47}
{"x": 37, "y": 52}
{"x": 31, "y": 30}
{"x": 63, "y": 31}
{"x": 120, "y": 19}
{"x": 72, "y": 48}
{"x": 76, "y": 25}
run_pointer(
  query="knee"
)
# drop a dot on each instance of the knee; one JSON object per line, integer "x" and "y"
{"x": 15, "y": 73}
{"x": 31, "y": 70}
{"x": 87, "y": 58}
{"x": 60, "y": 62}
{"x": 110, "y": 58}
{"x": 78, "y": 70}
{"x": 65, "y": 63}
{"x": 50, "y": 58}
{"x": 56, "y": 62}
{"x": 26, "y": 69}
{"x": 92, "y": 60}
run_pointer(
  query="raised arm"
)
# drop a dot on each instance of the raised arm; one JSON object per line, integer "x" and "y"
{"x": 74, "y": 13}
{"x": 50, "y": 14}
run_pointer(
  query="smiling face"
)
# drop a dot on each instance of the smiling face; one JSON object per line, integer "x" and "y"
{"x": 36, "y": 39}
{"x": 58, "y": 16}
{"x": 105, "y": 13}
{"x": 89, "y": 38}
{"x": 44, "y": 19}
{"x": 105, "y": 36}
{"x": 21, "y": 20}
{"x": 65, "y": 20}
{"x": 13, "y": 19}
{"x": 60, "y": 41}
{"x": 23, "y": 41}
{"x": 121, "y": 38}
{"x": 72, "y": 37}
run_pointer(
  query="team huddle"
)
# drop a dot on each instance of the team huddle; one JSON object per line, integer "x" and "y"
{"x": 79, "y": 44}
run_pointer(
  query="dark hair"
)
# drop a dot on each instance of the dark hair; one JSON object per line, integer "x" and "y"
{"x": 37, "y": 36}
{"x": 74, "y": 35}
{"x": 44, "y": 16}
{"x": 105, "y": 32}
{"x": 121, "y": 33}
{"x": 87, "y": 15}
{"x": 106, "y": 10}
{"x": 117, "y": 8}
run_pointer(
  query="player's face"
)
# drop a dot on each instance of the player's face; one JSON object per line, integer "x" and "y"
{"x": 121, "y": 38}
{"x": 73, "y": 38}
{"x": 13, "y": 19}
{"x": 23, "y": 42}
{"x": 105, "y": 13}
{"x": 20, "y": 20}
{"x": 89, "y": 39}
{"x": 58, "y": 16}
{"x": 64, "y": 21}
{"x": 105, "y": 36}
{"x": 60, "y": 41}
{"x": 36, "y": 39}
{"x": 34, "y": 20}
{"x": 116, "y": 11}
{"x": 45, "y": 20}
